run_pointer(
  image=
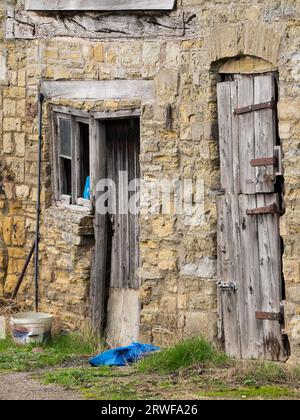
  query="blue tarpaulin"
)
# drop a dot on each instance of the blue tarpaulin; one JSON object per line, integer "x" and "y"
{"x": 123, "y": 356}
{"x": 87, "y": 189}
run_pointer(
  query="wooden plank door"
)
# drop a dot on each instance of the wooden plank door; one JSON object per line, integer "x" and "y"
{"x": 123, "y": 311}
{"x": 249, "y": 251}
{"x": 250, "y": 273}
{"x": 247, "y": 132}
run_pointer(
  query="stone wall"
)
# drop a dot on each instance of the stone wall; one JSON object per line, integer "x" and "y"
{"x": 178, "y": 262}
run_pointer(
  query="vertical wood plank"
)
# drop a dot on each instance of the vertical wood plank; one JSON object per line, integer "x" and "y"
{"x": 265, "y": 134}
{"x": 59, "y": 172}
{"x": 134, "y": 218}
{"x": 246, "y": 135}
{"x": 98, "y": 280}
{"x": 55, "y": 159}
{"x": 250, "y": 293}
{"x": 270, "y": 274}
{"x": 235, "y": 135}
{"x": 75, "y": 171}
{"x": 228, "y": 274}
{"x": 225, "y": 113}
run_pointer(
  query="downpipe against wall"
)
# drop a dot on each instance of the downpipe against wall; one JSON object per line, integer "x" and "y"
{"x": 38, "y": 205}
{"x": 35, "y": 247}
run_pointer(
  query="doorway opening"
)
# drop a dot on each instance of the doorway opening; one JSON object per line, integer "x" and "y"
{"x": 117, "y": 232}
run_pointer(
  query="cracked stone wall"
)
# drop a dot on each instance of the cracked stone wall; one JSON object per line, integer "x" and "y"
{"x": 178, "y": 262}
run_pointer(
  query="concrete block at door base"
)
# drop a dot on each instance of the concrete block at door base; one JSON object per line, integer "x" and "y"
{"x": 2, "y": 328}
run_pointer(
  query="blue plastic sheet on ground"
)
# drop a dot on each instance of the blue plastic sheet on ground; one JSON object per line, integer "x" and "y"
{"x": 123, "y": 356}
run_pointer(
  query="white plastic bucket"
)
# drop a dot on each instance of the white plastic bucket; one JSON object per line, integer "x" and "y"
{"x": 31, "y": 327}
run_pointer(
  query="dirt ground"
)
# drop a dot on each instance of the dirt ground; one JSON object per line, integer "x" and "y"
{"x": 127, "y": 384}
{"x": 21, "y": 386}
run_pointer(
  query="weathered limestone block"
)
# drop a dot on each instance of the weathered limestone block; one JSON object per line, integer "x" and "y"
{"x": 18, "y": 231}
{"x": 199, "y": 323}
{"x": 22, "y": 192}
{"x": 291, "y": 269}
{"x": 167, "y": 84}
{"x": 204, "y": 268}
{"x": 3, "y": 69}
{"x": 9, "y": 108}
{"x": 11, "y": 124}
{"x": 7, "y": 230}
{"x": 10, "y": 284}
{"x": 17, "y": 169}
{"x": 163, "y": 227}
{"x": 7, "y": 143}
{"x": 167, "y": 260}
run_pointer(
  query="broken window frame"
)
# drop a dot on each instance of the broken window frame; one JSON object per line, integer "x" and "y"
{"x": 97, "y": 139}
{"x": 76, "y": 118}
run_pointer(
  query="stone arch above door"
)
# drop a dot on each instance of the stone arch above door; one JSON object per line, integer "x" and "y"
{"x": 249, "y": 39}
{"x": 247, "y": 65}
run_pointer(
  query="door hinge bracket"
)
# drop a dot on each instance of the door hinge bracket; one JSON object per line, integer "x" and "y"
{"x": 227, "y": 286}
{"x": 257, "y": 107}
{"x": 273, "y": 316}
{"x": 275, "y": 161}
{"x": 267, "y": 161}
{"x": 272, "y": 209}
{"x": 268, "y": 316}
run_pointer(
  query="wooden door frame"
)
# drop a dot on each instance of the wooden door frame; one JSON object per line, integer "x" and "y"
{"x": 98, "y": 171}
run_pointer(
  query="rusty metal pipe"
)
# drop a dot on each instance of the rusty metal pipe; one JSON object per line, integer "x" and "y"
{"x": 22, "y": 275}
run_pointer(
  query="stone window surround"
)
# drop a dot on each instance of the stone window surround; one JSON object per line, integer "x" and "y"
{"x": 99, "y": 5}
{"x": 144, "y": 90}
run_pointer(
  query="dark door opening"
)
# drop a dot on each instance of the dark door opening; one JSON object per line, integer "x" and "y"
{"x": 117, "y": 233}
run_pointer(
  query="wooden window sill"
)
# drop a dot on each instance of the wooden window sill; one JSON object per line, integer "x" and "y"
{"x": 99, "y": 5}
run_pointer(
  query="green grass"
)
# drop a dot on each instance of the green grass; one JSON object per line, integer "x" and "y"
{"x": 191, "y": 369}
{"x": 262, "y": 373}
{"x": 264, "y": 392}
{"x": 75, "y": 377}
{"x": 95, "y": 383}
{"x": 55, "y": 352}
{"x": 183, "y": 355}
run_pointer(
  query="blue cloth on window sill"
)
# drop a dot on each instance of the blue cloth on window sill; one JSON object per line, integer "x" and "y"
{"x": 123, "y": 356}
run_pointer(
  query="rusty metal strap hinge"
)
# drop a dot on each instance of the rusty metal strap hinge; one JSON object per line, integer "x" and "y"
{"x": 268, "y": 316}
{"x": 267, "y": 161}
{"x": 272, "y": 316}
{"x": 258, "y": 107}
{"x": 273, "y": 209}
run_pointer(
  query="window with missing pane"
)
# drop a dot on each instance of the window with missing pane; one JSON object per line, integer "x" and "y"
{"x": 72, "y": 159}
